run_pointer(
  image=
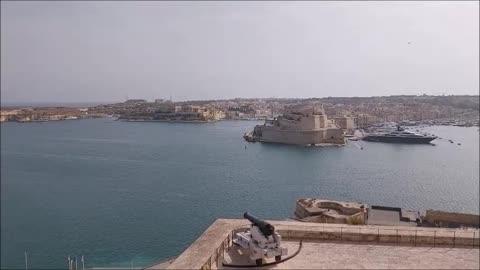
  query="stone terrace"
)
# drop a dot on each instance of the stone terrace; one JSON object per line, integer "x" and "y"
{"x": 347, "y": 246}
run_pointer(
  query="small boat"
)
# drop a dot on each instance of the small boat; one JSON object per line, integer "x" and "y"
{"x": 249, "y": 137}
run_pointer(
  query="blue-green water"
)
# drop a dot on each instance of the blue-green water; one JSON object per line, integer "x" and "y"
{"x": 120, "y": 192}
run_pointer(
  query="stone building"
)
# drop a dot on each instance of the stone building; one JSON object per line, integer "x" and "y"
{"x": 345, "y": 122}
{"x": 303, "y": 125}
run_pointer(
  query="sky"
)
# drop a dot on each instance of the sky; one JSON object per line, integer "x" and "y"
{"x": 87, "y": 51}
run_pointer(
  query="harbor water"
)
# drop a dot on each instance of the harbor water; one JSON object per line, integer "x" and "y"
{"x": 129, "y": 194}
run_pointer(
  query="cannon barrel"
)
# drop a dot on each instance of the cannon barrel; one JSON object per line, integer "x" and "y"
{"x": 266, "y": 228}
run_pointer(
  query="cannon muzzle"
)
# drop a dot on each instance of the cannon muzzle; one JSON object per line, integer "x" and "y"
{"x": 266, "y": 228}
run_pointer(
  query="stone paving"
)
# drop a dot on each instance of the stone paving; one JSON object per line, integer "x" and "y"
{"x": 358, "y": 256}
{"x": 373, "y": 247}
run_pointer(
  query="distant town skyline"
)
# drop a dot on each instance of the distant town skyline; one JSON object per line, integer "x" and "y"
{"x": 69, "y": 52}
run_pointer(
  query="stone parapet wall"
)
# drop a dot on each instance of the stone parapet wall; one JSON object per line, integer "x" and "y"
{"x": 382, "y": 235}
{"x": 302, "y": 137}
{"x": 446, "y": 218}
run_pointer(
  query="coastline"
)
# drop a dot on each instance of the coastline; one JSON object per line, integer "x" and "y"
{"x": 167, "y": 121}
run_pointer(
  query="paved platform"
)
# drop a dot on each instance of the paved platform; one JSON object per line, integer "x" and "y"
{"x": 384, "y": 217}
{"x": 318, "y": 255}
{"x": 342, "y": 246}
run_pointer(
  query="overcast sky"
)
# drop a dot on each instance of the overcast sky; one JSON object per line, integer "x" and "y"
{"x": 103, "y": 51}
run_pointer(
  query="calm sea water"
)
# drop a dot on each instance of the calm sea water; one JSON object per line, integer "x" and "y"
{"x": 123, "y": 193}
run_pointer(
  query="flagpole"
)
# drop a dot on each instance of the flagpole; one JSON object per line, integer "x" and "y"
{"x": 76, "y": 263}
{"x": 69, "y": 263}
{"x": 26, "y": 261}
{"x": 83, "y": 263}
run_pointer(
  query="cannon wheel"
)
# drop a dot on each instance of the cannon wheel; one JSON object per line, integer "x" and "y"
{"x": 258, "y": 261}
{"x": 278, "y": 258}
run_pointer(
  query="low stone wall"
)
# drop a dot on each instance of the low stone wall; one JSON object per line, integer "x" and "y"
{"x": 382, "y": 235}
{"x": 207, "y": 251}
{"x": 325, "y": 219}
{"x": 446, "y": 218}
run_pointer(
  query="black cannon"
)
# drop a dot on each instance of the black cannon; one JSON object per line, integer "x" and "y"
{"x": 266, "y": 228}
{"x": 261, "y": 239}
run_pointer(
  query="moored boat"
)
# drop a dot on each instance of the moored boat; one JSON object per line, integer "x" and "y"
{"x": 400, "y": 136}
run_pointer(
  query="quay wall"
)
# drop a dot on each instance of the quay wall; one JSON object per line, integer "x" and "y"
{"x": 446, "y": 218}
{"x": 302, "y": 137}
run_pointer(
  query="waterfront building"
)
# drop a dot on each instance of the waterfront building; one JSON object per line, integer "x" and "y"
{"x": 218, "y": 114}
{"x": 363, "y": 120}
{"x": 304, "y": 125}
{"x": 5, "y": 115}
{"x": 188, "y": 113}
{"x": 231, "y": 114}
{"x": 345, "y": 122}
